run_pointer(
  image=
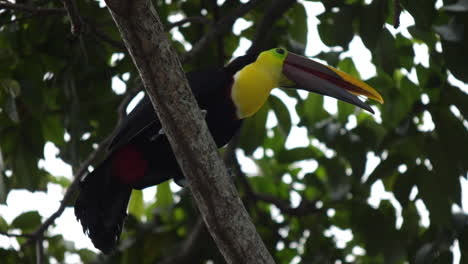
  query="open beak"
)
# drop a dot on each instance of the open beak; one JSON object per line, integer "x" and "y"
{"x": 309, "y": 75}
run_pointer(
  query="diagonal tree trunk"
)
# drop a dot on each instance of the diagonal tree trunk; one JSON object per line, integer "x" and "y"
{"x": 165, "y": 82}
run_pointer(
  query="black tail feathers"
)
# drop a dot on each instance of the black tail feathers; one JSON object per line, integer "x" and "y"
{"x": 101, "y": 207}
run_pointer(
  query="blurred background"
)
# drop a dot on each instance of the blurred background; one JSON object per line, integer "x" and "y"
{"x": 323, "y": 181}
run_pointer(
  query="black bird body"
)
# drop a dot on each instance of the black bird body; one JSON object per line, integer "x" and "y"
{"x": 140, "y": 154}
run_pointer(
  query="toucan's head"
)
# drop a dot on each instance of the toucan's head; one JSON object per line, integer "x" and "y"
{"x": 280, "y": 68}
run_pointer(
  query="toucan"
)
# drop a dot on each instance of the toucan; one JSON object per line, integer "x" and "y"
{"x": 140, "y": 156}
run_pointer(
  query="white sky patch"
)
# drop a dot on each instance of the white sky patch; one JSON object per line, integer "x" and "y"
{"x": 455, "y": 248}
{"x": 135, "y": 101}
{"x": 413, "y": 193}
{"x": 297, "y": 138}
{"x": 371, "y": 163}
{"x": 406, "y": 20}
{"x": 341, "y": 236}
{"x": 102, "y": 3}
{"x": 244, "y": 45}
{"x": 272, "y": 121}
{"x": 315, "y": 44}
{"x": 175, "y": 33}
{"x": 423, "y": 213}
{"x": 427, "y": 124}
{"x": 352, "y": 122}
{"x": 412, "y": 76}
{"x": 54, "y": 165}
{"x": 290, "y": 104}
{"x": 421, "y": 54}
{"x": 361, "y": 57}
{"x": 377, "y": 115}
{"x": 330, "y": 105}
{"x": 149, "y": 194}
{"x": 118, "y": 86}
{"x": 464, "y": 188}
{"x": 425, "y": 99}
{"x": 295, "y": 199}
{"x": 241, "y": 25}
{"x": 307, "y": 166}
{"x": 116, "y": 57}
{"x": 455, "y": 82}
{"x": 378, "y": 193}
{"x": 248, "y": 166}
{"x": 258, "y": 153}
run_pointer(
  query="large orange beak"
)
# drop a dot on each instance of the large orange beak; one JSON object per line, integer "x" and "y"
{"x": 309, "y": 75}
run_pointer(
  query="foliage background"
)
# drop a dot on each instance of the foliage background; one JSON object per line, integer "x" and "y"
{"x": 56, "y": 86}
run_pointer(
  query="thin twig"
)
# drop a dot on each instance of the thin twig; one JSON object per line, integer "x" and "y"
{"x": 39, "y": 251}
{"x": 16, "y": 235}
{"x": 32, "y": 9}
{"x": 219, "y": 38}
{"x": 223, "y": 26}
{"x": 77, "y": 178}
{"x": 305, "y": 207}
{"x": 75, "y": 18}
{"x": 187, "y": 246}
{"x": 397, "y": 13}
{"x": 274, "y": 12}
{"x": 194, "y": 19}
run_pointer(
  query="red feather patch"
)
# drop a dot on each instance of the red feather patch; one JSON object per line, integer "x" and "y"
{"x": 129, "y": 165}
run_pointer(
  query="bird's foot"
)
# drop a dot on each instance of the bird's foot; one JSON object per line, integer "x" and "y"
{"x": 155, "y": 136}
{"x": 204, "y": 112}
{"x": 181, "y": 182}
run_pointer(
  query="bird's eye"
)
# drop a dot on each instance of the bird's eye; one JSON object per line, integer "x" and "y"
{"x": 280, "y": 51}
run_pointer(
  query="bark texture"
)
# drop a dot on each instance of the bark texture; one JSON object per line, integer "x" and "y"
{"x": 165, "y": 82}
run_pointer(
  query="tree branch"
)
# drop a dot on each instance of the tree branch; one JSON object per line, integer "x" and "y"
{"x": 263, "y": 29}
{"x": 396, "y": 13}
{"x": 39, "y": 233}
{"x": 216, "y": 197}
{"x": 194, "y": 19}
{"x": 32, "y": 9}
{"x": 305, "y": 207}
{"x": 187, "y": 246}
{"x": 3, "y": 233}
{"x": 221, "y": 27}
{"x": 75, "y": 18}
{"x": 39, "y": 251}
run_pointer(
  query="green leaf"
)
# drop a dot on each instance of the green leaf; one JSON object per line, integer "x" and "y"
{"x": 347, "y": 65}
{"x": 434, "y": 194}
{"x": 311, "y": 110}
{"x": 344, "y": 111}
{"x": 385, "y": 47}
{"x": 12, "y": 87}
{"x": 282, "y": 114}
{"x": 164, "y": 198}
{"x": 27, "y": 222}
{"x": 57, "y": 247}
{"x": 86, "y": 255}
{"x": 336, "y": 29}
{"x": 372, "y": 21}
{"x": 253, "y": 131}
{"x": 11, "y": 110}
{"x": 296, "y": 154}
{"x": 3, "y": 225}
{"x": 403, "y": 186}
{"x": 136, "y": 205}
{"x": 298, "y": 30}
